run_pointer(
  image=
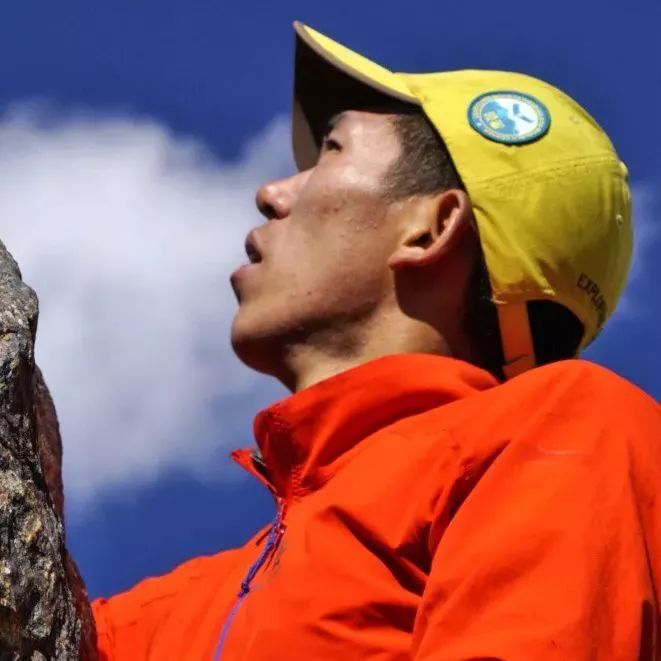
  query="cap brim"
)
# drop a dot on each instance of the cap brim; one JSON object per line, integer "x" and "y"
{"x": 330, "y": 78}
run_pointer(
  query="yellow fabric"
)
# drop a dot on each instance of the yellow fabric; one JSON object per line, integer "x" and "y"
{"x": 554, "y": 215}
{"x": 354, "y": 64}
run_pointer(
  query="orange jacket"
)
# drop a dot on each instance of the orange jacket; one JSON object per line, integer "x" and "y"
{"x": 426, "y": 512}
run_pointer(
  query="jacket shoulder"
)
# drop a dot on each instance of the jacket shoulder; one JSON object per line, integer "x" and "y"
{"x": 585, "y": 407}
{"x": 588, "y": 383}
{"x": 574, "y": 404}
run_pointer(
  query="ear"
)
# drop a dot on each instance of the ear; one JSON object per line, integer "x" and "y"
{"x": 437, "y": 226}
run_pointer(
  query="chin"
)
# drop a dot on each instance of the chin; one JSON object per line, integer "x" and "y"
{"x": 254, "y": 345}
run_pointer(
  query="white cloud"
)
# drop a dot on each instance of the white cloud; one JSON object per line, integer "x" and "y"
{"x": 128, "y": 234}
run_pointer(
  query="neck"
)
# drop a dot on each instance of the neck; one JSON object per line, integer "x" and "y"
{"x": 331, "y": 351}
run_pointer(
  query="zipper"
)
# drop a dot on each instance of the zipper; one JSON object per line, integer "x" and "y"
{"x": 274, "y": 536}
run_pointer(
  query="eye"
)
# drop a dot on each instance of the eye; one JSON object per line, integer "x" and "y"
{"x": 330, "y": 144}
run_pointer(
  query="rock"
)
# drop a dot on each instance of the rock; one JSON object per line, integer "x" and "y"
{"x": 44, "y": 610}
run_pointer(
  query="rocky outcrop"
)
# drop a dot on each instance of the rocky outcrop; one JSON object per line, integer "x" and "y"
{"x": 44, "y": 610}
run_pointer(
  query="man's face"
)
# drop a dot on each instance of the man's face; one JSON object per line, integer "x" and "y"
{"x": 323, "y": 252}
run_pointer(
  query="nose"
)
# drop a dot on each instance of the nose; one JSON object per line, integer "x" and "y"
{"x": 276, "y": 198}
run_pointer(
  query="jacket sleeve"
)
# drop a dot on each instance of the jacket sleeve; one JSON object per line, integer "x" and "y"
{"x": 128, "y": 620}
{"x": 553, "y": 549}
{"x": 127, "y": 623}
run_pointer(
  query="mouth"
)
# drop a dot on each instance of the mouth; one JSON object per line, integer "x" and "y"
{"x": 254, "y": 256}
{"x": 252, "y": 251}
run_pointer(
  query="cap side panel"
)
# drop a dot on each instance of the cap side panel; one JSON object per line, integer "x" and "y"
{"x": 554, "y": 215}
{"x": 446, "y": 98}
{"x": 556, "y": 234}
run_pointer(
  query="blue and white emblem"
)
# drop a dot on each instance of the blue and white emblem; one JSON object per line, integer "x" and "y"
{"x": 512, "y": 118}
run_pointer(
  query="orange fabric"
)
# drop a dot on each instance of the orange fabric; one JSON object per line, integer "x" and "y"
{"x": 430, "y": 513}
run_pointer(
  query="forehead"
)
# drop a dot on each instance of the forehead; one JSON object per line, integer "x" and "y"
{"x": 373, "y": 130}
{"x": 372, "y": 118}
{"x": 369, "y": 140}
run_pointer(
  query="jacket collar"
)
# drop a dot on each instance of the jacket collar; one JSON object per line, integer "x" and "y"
{"x": 304, "y": 438}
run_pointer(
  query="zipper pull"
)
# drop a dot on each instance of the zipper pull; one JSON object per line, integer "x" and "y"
{"x": 282, "y": 510}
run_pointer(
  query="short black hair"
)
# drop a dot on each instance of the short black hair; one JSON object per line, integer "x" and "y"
{"x": 425, "y": 167}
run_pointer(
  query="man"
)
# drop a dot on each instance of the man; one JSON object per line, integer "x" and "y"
{"x": 448, "y": 487}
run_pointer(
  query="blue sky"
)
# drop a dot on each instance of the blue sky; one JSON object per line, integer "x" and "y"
{"x": 132, "y": 136}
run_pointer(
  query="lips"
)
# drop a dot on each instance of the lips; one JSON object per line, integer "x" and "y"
{"x": 252, "y": 248}
{"x": 254, "y": 253}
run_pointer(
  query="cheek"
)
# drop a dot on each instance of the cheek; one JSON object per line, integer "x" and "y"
{"x": 341, "y": 192}
{"x": 337, "y": 236}
{"x": 339, "y": 265}
{"x": 339, "y": 207}
{"x": 332, "y": 249}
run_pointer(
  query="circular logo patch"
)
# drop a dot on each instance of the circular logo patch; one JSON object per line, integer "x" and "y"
{"x": 512, "y": 118}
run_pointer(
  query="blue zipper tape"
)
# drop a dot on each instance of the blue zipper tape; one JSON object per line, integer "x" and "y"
{"x": 246, "y": 582}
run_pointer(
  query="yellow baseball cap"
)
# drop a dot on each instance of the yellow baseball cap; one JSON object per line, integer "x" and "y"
{"x": 549, "y": 193}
